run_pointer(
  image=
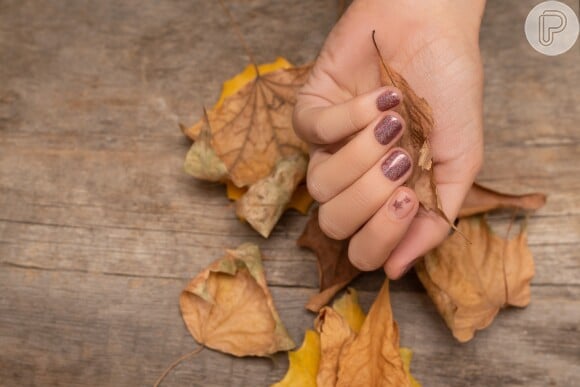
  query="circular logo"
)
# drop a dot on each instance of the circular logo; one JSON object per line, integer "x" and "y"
{"x": 552, "y": 28}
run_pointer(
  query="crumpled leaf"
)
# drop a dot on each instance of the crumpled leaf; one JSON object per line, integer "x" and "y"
{"x": 372, "y": 358}
{"x": 334, "y": 268}
{"x": 481, "y": 199}
{"x": 228, "y": 306}
{"x": 335, "y": 333}
{"x": 242, "y": 139}
{"x": 470, "y": 282}
{"x": 300, "y": 200}
{"x": 304, "y": 363}
{"x": 418, "y": 117}
{"x": 265, "y": 201}
{"x": 201, "y": 161}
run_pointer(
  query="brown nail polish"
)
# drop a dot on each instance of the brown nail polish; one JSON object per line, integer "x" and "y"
{"x": 396, "y": 165}
{"x": 387, "y": 129}
{"x": 401, "y": 206}
{"x": 387, "y": 100}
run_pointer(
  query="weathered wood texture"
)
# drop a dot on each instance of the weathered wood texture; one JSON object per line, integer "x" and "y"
{"x": 100, "y": 229}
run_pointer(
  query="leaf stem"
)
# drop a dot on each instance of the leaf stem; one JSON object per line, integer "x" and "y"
{"x": 176, "y": 363}
{"x": 237, "y": 31}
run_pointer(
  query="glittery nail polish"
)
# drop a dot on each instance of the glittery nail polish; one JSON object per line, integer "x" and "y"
{"x": 387, "y": 129}
{"x": 387, "y": 100}
{"x": 396, "y": 165}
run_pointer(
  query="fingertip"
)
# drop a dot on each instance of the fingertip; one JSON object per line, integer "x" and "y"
{"x": 388, "y": 98}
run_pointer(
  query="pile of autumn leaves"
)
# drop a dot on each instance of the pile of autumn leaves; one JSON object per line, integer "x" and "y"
{"x": 246, "y": 141}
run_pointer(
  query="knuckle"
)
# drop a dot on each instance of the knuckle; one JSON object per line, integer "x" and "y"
{"x": 328, "y": 226}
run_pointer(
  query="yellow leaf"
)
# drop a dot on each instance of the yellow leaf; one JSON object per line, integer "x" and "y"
{"x": 407, "y": 356}
{"x": 349, "y": 308}
{"x": 470, "y": 282}
{"x": 303, "y": 363}
{"x": 229, "y": 307}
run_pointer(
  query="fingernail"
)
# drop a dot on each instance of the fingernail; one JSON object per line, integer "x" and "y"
{"x": 387, "y": 100}
{"x": 401, "y": 206}
{"x": 387, "y": 129}
{"x": 396, "y": 165}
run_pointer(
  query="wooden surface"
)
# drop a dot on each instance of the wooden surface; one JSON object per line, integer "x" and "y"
{"x": 100, "y": 228}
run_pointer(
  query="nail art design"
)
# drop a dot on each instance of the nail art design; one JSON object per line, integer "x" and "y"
{"x": 387, "y": 100}
{"x": 387, "y": 129}
{"x": 396, "y": 165}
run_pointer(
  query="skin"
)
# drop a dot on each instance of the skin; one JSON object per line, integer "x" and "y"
{"x": 434, "y": 45}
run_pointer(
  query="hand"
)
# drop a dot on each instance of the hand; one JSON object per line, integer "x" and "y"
{"x": 350, "y": 122}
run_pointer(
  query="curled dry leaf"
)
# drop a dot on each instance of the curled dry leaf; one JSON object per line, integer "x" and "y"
{"x": 481, "y": 199}
{"x": 372, "y": 359}
{"x": 415, "y": 140}
{"x": 247, "y": 134}
{"x": 228, "y": 306}
{"x": 470, "y": 282}
{"x": 335, "y": 333}
{"x": 334, "y": 268}
{"x": 265, "y": 201}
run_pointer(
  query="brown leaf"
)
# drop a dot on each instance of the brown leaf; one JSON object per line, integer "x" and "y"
{"x": 372, "y": 359}
{"x": 252, "y": 129}
{"x": 480, "y": 199}
{"x": 334, "y": 268}
{"x": 265, "y": 201}
{"x": 229, "y": 307}
{"x": 246, "y": 135}
{"x": 470, "y": 282}
{"x": 334, "y": 332}
{"x": 415, "y": 140}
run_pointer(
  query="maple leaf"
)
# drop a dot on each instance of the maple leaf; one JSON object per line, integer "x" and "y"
{"x": 470, "y": 282}
{"x": 228, "y": 306}
{"x": 334, "y": 268}
{"x": 247, "y": 138}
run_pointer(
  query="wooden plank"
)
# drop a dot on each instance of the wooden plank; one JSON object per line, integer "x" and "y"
{"x": 100, "y": 228}
{"x": 61, "y": 328}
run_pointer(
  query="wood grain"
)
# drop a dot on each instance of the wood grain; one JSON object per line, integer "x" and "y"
{"x": 100, "y": 228}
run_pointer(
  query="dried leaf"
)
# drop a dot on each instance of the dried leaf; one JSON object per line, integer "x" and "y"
{"x": 470, "y": 282}
{"x": 201, "y": 161}
{"x": 335, "y": 333}
{"x": 252, "y": 128}
{"x": 415, "y": 139}
{"x": 372, "y": 358}
{"x": 480, "y": 199}
{"x": 246, "y": 135}
{"x": 229, "y": 307}
{"x": 407, "y": 357}
{"x": 265, "y": 201}
{"x": 349, "y": 308}
{"x": 300, "y": 200}
{"x": 304, "y": 363}
{"x": 334, "y": 268}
